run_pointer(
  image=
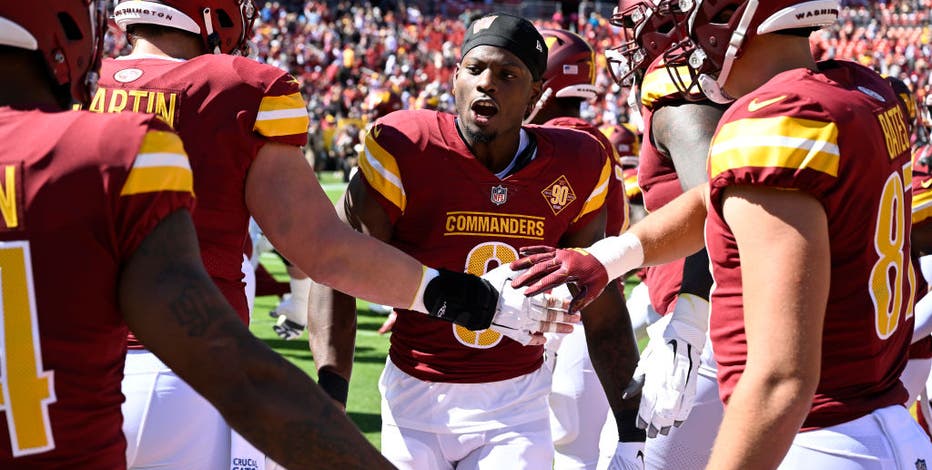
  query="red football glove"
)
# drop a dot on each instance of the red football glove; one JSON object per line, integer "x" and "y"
{"x": 548, "y": 267}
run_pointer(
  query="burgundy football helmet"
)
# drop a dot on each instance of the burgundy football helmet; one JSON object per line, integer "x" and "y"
{"x": 570, "y": 69}
{"x": 224, "y": 25}
{"x": 68, "y": 34}
{"x": 905, "y": 99}
{"x": 719, "y": 29}
{"x": 624, "y": 137}
{"x": 648, "y": 29}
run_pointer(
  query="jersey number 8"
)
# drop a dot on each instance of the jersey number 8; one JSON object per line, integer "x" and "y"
{"x": 893, "y": 265}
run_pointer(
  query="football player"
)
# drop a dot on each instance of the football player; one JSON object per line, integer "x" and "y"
{"x": 242, "y": 124}
{"x": 626, "y": 140}
{"x": 920, "y": 352}
{"x": 451, "y": 397}
{"x": 677, "y": 130}
{"x": 96, "y": 234}
{"x": 578, "y": 406}
{"x": 922, "y": 249}
{"x": 810, "y": 329}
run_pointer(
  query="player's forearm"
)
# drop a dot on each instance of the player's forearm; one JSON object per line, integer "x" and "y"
{"x": 332, "y": 338}
{"x": 674, "y": 231}
{"x": 761, "y": 419}
{"x": 295, "y": 214}
{"x": 612, "y": 346}
{"x": 292, "y": 420}
{"x": 364, "y": 267}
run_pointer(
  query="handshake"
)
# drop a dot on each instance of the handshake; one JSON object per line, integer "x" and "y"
{"x": 525, "y": 318}
{"x": 525, "y": 299}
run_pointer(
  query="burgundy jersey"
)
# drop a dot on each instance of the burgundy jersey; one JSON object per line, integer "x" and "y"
{"x": 78, "y": 193}
{"x": 616, "y": 202}
{"x": 922, "y": 184}
{"x": 658, "y": 181}
{"x": 449, "y": 211}
{"x": 922, "y": 211}
{"x": 225, "y": 109}
{"x": 839, "y": 135}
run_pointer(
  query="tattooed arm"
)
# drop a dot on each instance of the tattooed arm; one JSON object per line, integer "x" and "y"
{"x": 171, "y": 305}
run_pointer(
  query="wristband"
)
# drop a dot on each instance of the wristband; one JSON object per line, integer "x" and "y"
{"x": 626, "y": 420}
{"x": 618, "y": 254}
{"x": 334, "y": 384}
{"x": 418, "y": 303}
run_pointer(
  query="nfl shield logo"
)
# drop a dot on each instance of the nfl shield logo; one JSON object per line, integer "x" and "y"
{"x": 499, "y": 195}
{"x": 920, "y": 464}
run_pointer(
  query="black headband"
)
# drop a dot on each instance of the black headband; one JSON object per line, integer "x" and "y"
{"x": 512, "y": 33}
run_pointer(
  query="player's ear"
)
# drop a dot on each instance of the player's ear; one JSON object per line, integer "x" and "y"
{"x": 536, "y": 90}
{"x": 456, "y": 73}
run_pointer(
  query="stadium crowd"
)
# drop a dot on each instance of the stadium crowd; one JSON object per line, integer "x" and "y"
{"x": 353, "y": 57}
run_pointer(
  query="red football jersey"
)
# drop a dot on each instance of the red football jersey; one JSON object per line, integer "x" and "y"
{"x": 839, "y": 135}
{"x": 658, "y": 181}
{"x": 225, "y": 108}
{"x": 616, "y": 202}
{"x": 449, "y": 211}
{"x": 922, "y": 211}
{"x": 79, "y": 193}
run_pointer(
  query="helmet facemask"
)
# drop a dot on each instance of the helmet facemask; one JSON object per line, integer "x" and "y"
{"x": 648, "y": 29}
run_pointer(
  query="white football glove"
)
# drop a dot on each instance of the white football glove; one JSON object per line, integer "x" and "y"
{"x": 628, "y": 456}
{"x": 666, "y": 372}
{"x": 519, "y": 317}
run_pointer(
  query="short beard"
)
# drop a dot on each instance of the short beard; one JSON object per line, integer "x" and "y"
{"x": 477, "y": 136}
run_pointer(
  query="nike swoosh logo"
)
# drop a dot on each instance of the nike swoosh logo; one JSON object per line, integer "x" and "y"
{"x": 755, "y": 105}
{"x": 925, "y": 184}
{"x": 376, "y": 131}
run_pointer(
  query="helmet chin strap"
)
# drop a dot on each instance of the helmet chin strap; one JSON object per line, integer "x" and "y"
{"x": 544, "y": 98}
{"x": 713, "y": 88}
{"x": 213, "y": 39}
{"x": 713, "y": 91}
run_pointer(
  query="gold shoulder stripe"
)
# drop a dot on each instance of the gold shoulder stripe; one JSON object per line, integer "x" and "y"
{"x": 597, "y": 199}
{"x": 161, "y": 142}
{"x": 282, "y": 115}
{"x": 160, "y": 165}
{"x": 380, "y": 169}
{"x": 783, "y": 142}
{"x": 922, "y": 206}
{"x": 657, "y": 84}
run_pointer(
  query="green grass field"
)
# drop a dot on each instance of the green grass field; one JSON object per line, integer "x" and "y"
{"x": 371, "y": 348}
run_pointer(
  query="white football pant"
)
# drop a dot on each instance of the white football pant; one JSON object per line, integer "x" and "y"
{"x": 522, "y": 447}
{"x": 689, "y": 445}
{"x": 887, "y": 439}
{"x": 641, "y": 311}
{"x": 914, "y": 378}
{"x": 578, "y": 406}
{"x": 166, "y": 423}
{"x": 443, "y": 425}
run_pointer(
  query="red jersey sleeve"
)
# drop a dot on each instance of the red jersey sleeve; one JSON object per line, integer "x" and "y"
{"x": 282, "y": 113}
{"x": 386, "y": 143}
{"x": 158, "y": 183}
{"x": 922, "y": 185}
{"x": 776, "y": 140}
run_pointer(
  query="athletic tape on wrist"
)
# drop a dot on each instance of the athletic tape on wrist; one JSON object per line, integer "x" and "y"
{"x": 334, "y": 384}
{"x": 418, "y": 303}
{"x": 618, "y": 254}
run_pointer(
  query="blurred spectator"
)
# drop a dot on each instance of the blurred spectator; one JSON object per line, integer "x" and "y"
{"x": 342, "y": 51}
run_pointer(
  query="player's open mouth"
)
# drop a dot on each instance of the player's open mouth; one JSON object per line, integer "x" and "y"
{"x": 483, "y": 110}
